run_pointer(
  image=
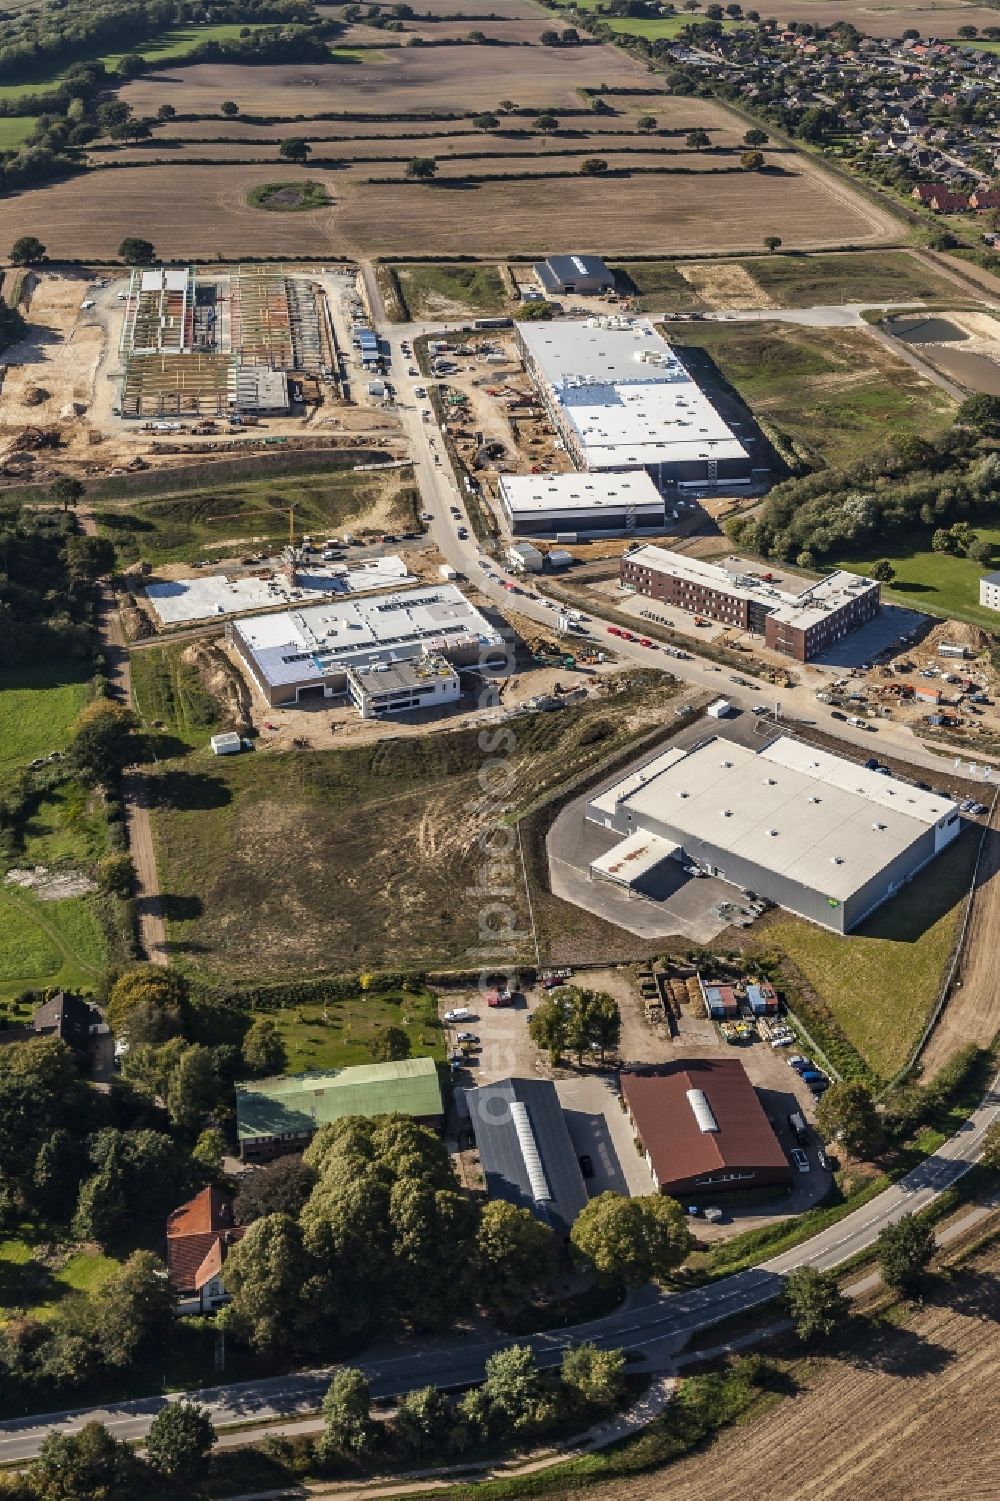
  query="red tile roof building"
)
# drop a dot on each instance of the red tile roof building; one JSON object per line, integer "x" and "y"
{"x": 199, "y": 1236}
{"x": 703, "y": 1128}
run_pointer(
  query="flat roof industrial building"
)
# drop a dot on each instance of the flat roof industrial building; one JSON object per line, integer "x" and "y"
{"x": 621, "y": 399}
{"x": 703, "y": 1129}
{"x": 318, "y": 651}
{"x": 809, "y": 831}
{"x": 526, "y": 1151}
{"x": 801, "y": 625}
{"x": 279, "y": 1115}
{"x": 535, "y": 505}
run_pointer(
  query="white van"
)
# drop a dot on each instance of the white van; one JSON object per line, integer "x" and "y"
{"x": 458, "y": 1014}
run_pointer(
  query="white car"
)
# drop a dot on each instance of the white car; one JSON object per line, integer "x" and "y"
{"x": 458, "y": 1014}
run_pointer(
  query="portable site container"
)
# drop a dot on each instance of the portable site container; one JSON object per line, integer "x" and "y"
{"x": 762, "y": 1000}
{"x": 721, "y": 1002}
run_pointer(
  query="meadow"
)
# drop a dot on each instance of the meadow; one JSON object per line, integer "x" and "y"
{"x": 37, "y": 708}
{"x": 927, "y": 580}
{"x": 337, "y": 1034}
{"x": 834, "y": 391}
{"x": 880, "y": 982}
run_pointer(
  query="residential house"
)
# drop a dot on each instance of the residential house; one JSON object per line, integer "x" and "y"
{"x": 69, "y": 1018}
{"x": 200, "y": 1235}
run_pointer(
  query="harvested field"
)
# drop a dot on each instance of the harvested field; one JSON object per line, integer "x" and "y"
{"x": 725, "y": 285}
{"x": 444, "y": 78}
{"x": 186, "y": 212}
{"x": 899, "y": 1417}
{"x": 940, "y": 18}
{"x": 682, "y": 213}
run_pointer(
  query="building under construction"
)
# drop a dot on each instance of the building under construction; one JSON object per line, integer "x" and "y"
{"x": 219, "y": 341}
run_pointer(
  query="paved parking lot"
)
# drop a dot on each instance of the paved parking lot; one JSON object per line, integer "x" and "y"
{"x": 599, "y": 1129}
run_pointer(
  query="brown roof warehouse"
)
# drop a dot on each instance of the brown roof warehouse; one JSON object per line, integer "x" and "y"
{"x": 703, "y": 1128}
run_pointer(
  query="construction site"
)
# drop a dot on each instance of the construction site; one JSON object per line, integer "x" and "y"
{"x": 222, "y": 341}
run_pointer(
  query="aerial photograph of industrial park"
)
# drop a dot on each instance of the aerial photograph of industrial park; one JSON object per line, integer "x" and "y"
{"x": 499, "y": 750}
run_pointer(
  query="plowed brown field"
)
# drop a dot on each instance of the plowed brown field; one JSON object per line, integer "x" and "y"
{"x": 915, "y": 1421}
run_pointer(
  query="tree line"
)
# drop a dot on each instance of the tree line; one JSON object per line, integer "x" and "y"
{"x": 939, "y": 485}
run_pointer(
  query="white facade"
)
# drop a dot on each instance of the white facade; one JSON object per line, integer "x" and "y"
{"x": 550, "y": 504}
{"x": 989, "y": 591}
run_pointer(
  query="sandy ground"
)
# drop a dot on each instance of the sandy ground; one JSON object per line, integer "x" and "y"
{"x": 725, "y": 286}
{"x": 59, "y": 356}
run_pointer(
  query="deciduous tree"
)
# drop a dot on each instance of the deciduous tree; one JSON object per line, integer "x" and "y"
{"x": 263, "y": 1047}
{"x": 27, "y": 250}
{"x": 631, "y": 1240}
{"x": 882, "y": 570}
{"x": 390, "y": 1045}
{"x": 847, "y": 1113}
{"x": 815, "y": 1302}
{"x": 421, "y": 168}
{"x": 517, "y": 1254}
{"x": 153, "y": 991}
{"x": 904, "y": 1250}
{"x": 279, "y": 1187}
{"x": 179, "y": 1439}
{"x": 135, "y": 251}
{"x": 295, "y": 149}
{"x": 347, "y": 1420}
{"x": 266, "y": 1273}
{"x": 596, "y": 1376}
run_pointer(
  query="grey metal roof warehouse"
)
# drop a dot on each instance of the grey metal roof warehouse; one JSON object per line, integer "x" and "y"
{"x": 525, "y": 1149}
{"x": 808, "y": 830}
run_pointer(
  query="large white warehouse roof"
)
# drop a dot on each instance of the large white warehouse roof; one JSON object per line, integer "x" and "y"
{"x": 815, "y": 818}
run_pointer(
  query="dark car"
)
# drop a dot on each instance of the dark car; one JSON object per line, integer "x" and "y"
{"x": 836, "y": 714}
{"x": 587, "y": 1166}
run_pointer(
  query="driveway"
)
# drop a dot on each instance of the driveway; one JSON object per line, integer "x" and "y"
{"x": 599, "y": 1129}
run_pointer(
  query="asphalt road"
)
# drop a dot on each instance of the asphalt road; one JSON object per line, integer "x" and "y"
{"x": 439, "y": 492}
{"x": 654, "y": 1326}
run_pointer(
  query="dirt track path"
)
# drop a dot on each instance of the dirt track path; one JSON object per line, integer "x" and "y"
{"x": 973, "y": 1010}
{"x": 152, "y": 928}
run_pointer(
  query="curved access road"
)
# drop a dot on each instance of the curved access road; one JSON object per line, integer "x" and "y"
{"x": 654, "y": 1326}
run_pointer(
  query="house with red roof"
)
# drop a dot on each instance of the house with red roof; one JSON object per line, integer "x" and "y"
{"x": 200, "y": 1235}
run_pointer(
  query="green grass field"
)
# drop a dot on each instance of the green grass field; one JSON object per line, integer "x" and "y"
{"x": 791, "y": 280}
{"x": 863, "y": 276}
{"x": 42, "y": 944}
{"x": 37, "y": 708}
{"x": 652, "y": 28}
{"x": 932, "y": 581}
{"x": 168, "y": 689}
{"x": 27, "y": 1281}
{"x": 244, "y": 514}
{"x": 659, "y": 284}
{"x": 880, "y": 982}
{"x": 429, "y": 290}
{"x": 14, "y": 130}
{"x": 337, "y": 1034}
{"x": 833, "y": 390}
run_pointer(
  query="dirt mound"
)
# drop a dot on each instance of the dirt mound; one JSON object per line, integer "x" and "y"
{"x": 958, "y": 633}
{"x": 220, "y": 678}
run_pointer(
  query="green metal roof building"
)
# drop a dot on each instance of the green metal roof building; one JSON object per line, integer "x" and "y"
{"x": 280, "y": 1115}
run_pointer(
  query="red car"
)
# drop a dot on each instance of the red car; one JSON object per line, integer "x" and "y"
{"x": 613, "y": 630}
{"x": 645, "y": 641}
{"x": 626, "y": 635}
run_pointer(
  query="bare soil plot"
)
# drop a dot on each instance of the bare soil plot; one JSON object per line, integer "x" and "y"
{"x": 622, "y": 217}
{"x": 906, "y": 1418}
{"x": 197, "y": 212}
{"x": 408, "y": 79}
{"x": 57, "y": 359}
{"x": 940, "y": 18}
{"x": 725, "y": 285}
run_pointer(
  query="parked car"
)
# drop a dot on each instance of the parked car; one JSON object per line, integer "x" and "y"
{"x": 800, "y": 1159}
{"x": 458, "y": 1014}
{"x": 466, "y": 1037}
